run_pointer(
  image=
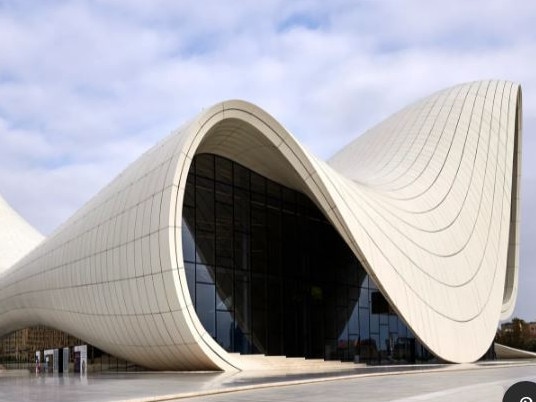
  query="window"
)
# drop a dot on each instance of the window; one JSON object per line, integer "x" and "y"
{"x": 268, "y": 273}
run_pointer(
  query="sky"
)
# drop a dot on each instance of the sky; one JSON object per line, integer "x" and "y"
{"x": 86, "y": 86}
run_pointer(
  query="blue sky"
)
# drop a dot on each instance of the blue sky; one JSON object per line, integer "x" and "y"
{"x": 87, "y": 86}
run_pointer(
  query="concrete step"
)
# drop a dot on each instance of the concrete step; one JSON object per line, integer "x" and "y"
{"x": 263, "y": 362}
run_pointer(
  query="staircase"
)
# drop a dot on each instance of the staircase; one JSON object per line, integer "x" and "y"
{"x": 286, "y": 364}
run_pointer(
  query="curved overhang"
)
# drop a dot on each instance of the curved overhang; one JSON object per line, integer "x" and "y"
{"x": 427, "y": 200}
{"x": 17, "y": 237}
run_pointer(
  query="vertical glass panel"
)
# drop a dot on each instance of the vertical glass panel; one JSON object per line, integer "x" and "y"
{"x": 375, "y": 356}
{"x": 204, "y": 165}
{"x": 224, "y": 248}
{"x": 224, "y": 234}
{"x": 224, "y": 288}
{"x": 241, "y": 177}
{"x": 393, "y": 323}
{"x": 353, "y": 344}
{"x": 384, "y": 341}
{"x": 364, "y": 323}
{"x": 290, "y": 257}
{"x": 273, "y": 195}
{"x": 342, "y": 345}
{"x": 224, "y": 170}
{"x": 354, "y": 292}
{"x": 241, "y": 210}
{"x": 258, "y": 184}
{"x": 259, "y": 328}
{"x": 188, "y": 243}
{"x": 204, "y": 207}
{"x": 258, "y": 240}
{"x": 225, "y": 329}
{"x": 258, "y": 293}
{"x": 273, "y": 224}
{"x": 241, "y": 251}
{"x": 224, "y": 217}
{"x": 364, "y": 298}
{"x": 374, "y": 324}
{"x": 205, "y": 242}
{"x": 205, "y": 306}
{"x": 190, "y": 278}
{"x": 258, "y": 199}
{"x": 189, "y": 193}
{"x": 402, "y": 329}
{"x": 204, "y": 274}
{"x": 242, "y": 306}
{"x": 289, "y": 200}
{"x": 342, "y": 297}
{"x": 273, "y": 190}
{"x": 258, "y": 218}
{"x": 224, "y": 193}
{"x": 274, "y": 242}
{"x": 384, "y": 319}
{"x": 353, "y": 321}
{"x": 274, "y": 317}
{"x": 241, "y": 340}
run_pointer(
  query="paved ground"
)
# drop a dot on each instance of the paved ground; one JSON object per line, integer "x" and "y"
{"x": 484, "y": 384}
{"x": 443, "y": 383}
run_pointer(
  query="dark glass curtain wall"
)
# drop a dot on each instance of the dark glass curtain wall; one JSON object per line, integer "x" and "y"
{"x": 268, "y": 273}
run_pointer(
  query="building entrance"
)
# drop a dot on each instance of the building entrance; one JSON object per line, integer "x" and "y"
{"x": 269, "y": 274}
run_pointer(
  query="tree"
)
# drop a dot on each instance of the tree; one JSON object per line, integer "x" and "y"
{"x": 516, "y": 335}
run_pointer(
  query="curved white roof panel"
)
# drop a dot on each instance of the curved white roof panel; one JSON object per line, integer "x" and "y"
{"x": 428, "y": 201}
{"x": 17, "y": 237}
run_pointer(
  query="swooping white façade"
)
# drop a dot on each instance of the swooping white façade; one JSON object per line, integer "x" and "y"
{"x": 428, "y": 201}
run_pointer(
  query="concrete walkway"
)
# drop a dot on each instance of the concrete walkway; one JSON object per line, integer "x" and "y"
{"x": 475, "y": 382}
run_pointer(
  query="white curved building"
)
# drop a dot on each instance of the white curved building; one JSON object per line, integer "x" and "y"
{"x": 228, "y": 236}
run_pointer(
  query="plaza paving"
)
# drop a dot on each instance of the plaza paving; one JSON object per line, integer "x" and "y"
{"x": 474, "y": 382}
